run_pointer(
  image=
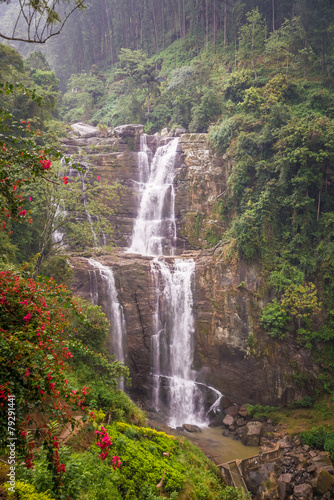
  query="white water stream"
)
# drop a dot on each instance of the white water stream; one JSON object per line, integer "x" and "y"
{"x": 155, "y": 228}
{"x": 114, "y": 311}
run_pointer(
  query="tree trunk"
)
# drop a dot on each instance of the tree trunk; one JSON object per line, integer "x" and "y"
{"x": 110, "y": 34}
{"x": 155, "y": 29}
{"x": 183, "y": 19}
{"x": 319, "y": 203}
{"x": 273, "y": 9}
{"x": 225, "y": 23}
{"x": 207, "y": 24}
{"x": 163, "y": 24}
{"x": 214, "y": 24}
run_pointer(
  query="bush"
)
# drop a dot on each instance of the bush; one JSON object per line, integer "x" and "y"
{"x": 25, "y": 491}
{"x": 274, "y": 319}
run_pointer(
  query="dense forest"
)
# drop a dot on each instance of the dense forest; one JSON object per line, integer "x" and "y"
{"x": 258, "y": 77}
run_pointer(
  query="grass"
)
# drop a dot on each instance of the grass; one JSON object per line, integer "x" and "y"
{"x": 300, "y": 420}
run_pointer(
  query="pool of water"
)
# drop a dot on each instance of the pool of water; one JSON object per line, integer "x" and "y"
{"x": 217, "y": 447}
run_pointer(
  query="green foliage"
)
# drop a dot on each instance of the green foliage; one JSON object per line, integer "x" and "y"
{"x": 26, "y": 491}
{"x": 274, "y": 319}
{"x": 187, "y": 471}
{"x": 252, "y": 36}
{"x": 319, "y": 438}
{"x": 262, "y": 412}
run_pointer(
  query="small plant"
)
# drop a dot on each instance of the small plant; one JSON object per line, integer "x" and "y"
{"x": 241, "y": 285}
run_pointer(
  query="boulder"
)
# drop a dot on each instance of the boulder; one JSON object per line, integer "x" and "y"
{"x": 128, "y": 130}
{"x": 285, "y": 478}
{"x": 251, "y": 434}
{"x": 243, "y": 411}
{"x": 232, "y": 411}
{"x": 282, "y": 490}
{"x": 191, "y": 428}
{"x": 179, "y": 131}
{"x": 325, "y": 482}
{"x": 254, "y": 480}
{"x": 84, "y": 130}
{"x": 228, "y": 420}
{"x": 164, "y": 132}
{"x": 303, "y": 492}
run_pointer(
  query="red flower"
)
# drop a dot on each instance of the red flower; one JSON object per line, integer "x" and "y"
{"x": 46, "y": 164}
{"x": 65, "y": 180}
{"x": 27, "y": 317}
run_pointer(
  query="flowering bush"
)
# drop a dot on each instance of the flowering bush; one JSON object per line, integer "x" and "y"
{"x": 34, "y": 351}
{"x": 21, "y": 159}
{"x": 104, "y": 443}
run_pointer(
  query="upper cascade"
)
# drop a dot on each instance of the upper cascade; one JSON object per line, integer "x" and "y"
{"x": 155, "y": 227}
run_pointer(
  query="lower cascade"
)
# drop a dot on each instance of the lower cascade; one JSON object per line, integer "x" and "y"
{"x": 114, "y": 311}
{"x": 172, "y": 342}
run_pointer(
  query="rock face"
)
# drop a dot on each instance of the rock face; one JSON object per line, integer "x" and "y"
{"x": 232, "y": 352}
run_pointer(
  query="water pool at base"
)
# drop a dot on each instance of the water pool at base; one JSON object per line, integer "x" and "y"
{"x": 217, "y": 447}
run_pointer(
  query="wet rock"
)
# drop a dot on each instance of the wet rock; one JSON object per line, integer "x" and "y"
{"x": 217, "y": 420}
{"x": 251, "y": 434}
{"x": 325, "y": 482}
{"x": 228, "y": 420}
{"x": 303, "y": 492}
{"x": 128, "y": 130}
{"x": 285, "y": 478}
{"x": 282, "y": 490}
{"x": 312, "y": 468}
{"x": 254, "y": 480}
{"x": 240, "y": 421}
{"x": 191, "y": 428}
{"x": 243, "y": 411}
{"x": 232, "y": 411}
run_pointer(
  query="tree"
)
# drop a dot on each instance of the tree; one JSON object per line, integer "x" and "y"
{"x": 39, "y": 20}
{"x": 252, "y": 36}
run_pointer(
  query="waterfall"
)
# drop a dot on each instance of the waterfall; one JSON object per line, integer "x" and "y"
{"x": 89, "y": 217}
{"x": 58, "y": 235}
{"x": 155, "y": 228}
{"x": 154, "y": 235}
{"x": 114, "y": 311}
{"x": 173, "y": 341}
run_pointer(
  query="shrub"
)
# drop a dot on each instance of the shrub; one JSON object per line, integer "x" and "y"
{"x": 274, "y": 319}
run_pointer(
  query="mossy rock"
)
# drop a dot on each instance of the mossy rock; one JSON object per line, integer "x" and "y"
{"x": 325, "y": 482}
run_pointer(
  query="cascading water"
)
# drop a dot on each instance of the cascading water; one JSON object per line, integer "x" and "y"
{"x": 155, "y": 229}
{"x": 89, "y": 217}
{"x": 173, "y": 326}
{"x": 174, "y": 349}
{"x": 114, "y": 311}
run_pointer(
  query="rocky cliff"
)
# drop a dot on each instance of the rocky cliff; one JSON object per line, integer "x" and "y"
{"x": 232, "y": 353}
